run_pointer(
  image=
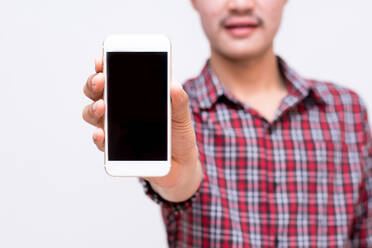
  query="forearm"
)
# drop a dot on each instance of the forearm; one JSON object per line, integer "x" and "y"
{"x": 186, "y": 183}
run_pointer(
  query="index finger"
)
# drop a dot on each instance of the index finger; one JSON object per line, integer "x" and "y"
{"x": 98, "y": 64}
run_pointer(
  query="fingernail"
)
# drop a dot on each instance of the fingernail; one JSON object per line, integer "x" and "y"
{"x": 94, "y": 106}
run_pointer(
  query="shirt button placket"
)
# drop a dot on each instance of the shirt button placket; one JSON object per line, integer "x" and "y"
{"x": 269, "y": 129}
{"x": 276, "y": 242}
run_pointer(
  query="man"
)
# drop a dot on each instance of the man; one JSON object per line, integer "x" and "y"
{"x": 261, "y": 157}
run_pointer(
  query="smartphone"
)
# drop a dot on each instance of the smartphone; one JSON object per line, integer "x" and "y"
{"x": 137, "y": 70}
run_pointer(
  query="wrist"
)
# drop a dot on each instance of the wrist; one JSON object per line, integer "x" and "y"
{"x": 186, "y": 184}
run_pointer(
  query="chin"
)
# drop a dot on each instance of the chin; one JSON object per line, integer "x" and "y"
{"x": 241, "y": 53}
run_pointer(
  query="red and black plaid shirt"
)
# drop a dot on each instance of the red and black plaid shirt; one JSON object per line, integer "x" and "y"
{"x": 303, "y": 180}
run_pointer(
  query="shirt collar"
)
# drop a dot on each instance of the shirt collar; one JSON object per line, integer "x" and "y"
{"x": 209, "y": 88}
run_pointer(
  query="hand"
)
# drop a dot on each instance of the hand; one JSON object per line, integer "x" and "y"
{"x": 94, "y": 112}
{"x": 185, "y": 173}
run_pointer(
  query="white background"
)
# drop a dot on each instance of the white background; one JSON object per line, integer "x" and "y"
{"x": 53, "y": 188}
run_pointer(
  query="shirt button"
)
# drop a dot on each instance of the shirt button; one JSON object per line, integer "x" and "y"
{"x": 276, "y": 241}
{"x": 269, "y": 130}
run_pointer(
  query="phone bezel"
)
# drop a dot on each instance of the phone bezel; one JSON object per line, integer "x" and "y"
{"x": 138, "y": 43}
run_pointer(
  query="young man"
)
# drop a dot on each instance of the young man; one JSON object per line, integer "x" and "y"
{"x": 261, "y": 157}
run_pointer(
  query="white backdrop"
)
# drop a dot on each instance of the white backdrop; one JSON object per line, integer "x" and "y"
{"x": 53, "y": 188}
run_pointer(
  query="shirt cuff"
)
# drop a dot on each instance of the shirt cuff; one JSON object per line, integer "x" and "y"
{"x": 173, "y": 207}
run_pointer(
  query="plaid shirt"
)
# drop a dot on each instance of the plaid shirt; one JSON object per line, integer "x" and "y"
{"x": 303, "y": 180}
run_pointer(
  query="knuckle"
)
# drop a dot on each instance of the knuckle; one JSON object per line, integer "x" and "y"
{"x": 88, "y": 115}
{"x": 88, "y": 91}
{"x": 85, "y": 90}
{"x": 92, "y": 84}
{"x": 89, "y": 80}
{"x": 84, "y": 114}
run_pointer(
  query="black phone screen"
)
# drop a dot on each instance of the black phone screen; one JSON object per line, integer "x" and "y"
{"x": 137, "y": 105}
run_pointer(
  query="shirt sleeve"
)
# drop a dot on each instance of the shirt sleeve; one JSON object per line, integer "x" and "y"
{"x": 171, "y": 207}
{"x": 362, "y": 235}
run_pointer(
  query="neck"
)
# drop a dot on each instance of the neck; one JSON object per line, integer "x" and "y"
{"x": 251, "y": 75}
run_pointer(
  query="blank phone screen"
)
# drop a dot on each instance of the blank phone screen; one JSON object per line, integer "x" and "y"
{"x": 137, "y": 105}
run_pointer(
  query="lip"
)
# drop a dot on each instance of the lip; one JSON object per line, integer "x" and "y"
{"x": 240, "y": 27}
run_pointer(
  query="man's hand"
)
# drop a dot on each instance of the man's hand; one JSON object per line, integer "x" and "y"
{"x": 185, "y": 174}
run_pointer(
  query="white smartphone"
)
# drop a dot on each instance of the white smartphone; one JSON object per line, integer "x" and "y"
{"x": 137, "y": 70}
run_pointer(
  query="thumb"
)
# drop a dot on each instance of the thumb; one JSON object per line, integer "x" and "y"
{"x": 180, "y": 107}
{"x": 184, "y": 148}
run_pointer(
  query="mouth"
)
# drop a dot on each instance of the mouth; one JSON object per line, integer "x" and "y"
{"x": 241, "y": 27}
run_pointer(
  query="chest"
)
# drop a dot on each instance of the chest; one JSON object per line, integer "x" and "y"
{"x": 306, "y": 166}
{"x": 305, "y": 140}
